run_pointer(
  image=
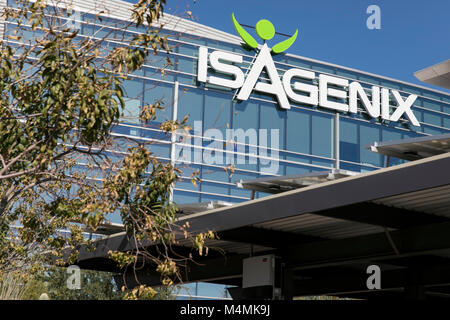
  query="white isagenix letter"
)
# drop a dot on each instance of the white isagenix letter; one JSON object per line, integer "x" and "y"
{"x": 356, "y": 90}
{"x": 404, "y": 107}
{"x": 235, "y": 71}
{"x": 264, "y": 60}
{"x": 202, "y": 67}
{"x": 325, "y": 91}
{"x": 312, "y": 96}
{"x": 385, "y": 112}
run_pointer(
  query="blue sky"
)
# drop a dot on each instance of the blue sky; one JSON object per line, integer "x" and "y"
{"x": 414, "y": 34}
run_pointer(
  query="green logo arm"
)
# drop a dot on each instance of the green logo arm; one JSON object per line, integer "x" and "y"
{"x": 284, "y": 45}
{"x": 248, "y": 39}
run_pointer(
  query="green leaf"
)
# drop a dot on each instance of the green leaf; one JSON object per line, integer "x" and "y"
{"x": 284, "y": 45}
{"x": 248, "y": 39}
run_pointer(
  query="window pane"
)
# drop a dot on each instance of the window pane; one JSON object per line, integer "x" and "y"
{"x": 322, "y": 135}
{"x": 298, "y": 63}
{"x": 447, "y": 122}
{"x": 368, "y": 135}
{"x": 220, "y": 45}
{"x": 432, "y": 118}
{"x": 412, "y": 90}
{"x": 431, "y": 130}
{"x": 160, "y": 150}
{"x": 160, "y": 92}
{"x": 349, "y": 148}
{"x": 132, "y": 111}
{"x": 245, "y": 115}
{"x": 390, "y": 134}
{"x": 322, "y": 68}
{"x": 240, "y": 191}
{"x": 298, "y": 131}
{"x": 182, "y": 197}
{"x": 446, "y": 108}
{"x": 350, "y": 167}
{"x": 187, "y": 65}
{"x": 346, "y": 74}
{"x": 271, "y": 117}
{"x": 191, "y": 39}
{"x": 432, "y": 105}
{"x": 187, "y": 172}
{"x": 431, "y": 94}
{"x": 369, "y": 79}
{"x": 133, "y": 89}
{"x": 188, "y": 50}
{"x": 217, "y": 111}
{"x": 190, "y": 103}
{"x": 297, "y": 169}
{"x": 208, "y": 198}
{"x": 390, "y": 84}
{"x": 132, "y": 97}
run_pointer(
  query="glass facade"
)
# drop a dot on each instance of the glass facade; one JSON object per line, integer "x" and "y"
{"x": 309, "y": 138}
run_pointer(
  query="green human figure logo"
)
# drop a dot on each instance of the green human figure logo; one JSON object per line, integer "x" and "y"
{"x": 265, "y": 30}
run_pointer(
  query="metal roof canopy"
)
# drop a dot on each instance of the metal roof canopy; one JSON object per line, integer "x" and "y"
{"x": 413, "y": 148}
{"x": 280, "y": 184}
{"x": 407, "y": 206}
{"x": 371, "y": 186}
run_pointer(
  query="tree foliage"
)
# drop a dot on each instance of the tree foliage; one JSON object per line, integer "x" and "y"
{"x": 94, "y": 285}
{"x": 60, "y": 96}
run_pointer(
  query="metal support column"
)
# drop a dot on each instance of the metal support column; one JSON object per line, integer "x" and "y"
{"x": 173, "y": 137}
{"x": 337, "y": 155}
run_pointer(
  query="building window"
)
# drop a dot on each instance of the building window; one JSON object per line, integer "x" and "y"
{"x": 298, "y": 138}
{"x": 217, "y": 111}
{"x": 190, "y": 103}
{"x": 271, "y": 117}
{"x": 322, "y": 135}
{"x": 159, "y": 92}
{"x": 348, "y": 145}
{"x": 369, "y": 133}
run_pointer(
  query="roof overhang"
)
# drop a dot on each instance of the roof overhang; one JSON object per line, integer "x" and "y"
{"x": 438, "y": 74}
{"x": 280, "y": 184}
{"x": 414, "y": 148}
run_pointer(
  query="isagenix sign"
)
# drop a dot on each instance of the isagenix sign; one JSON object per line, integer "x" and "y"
{"x": 331, "y": 92}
